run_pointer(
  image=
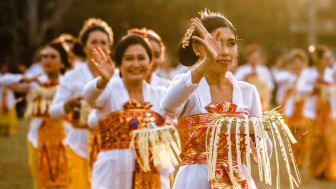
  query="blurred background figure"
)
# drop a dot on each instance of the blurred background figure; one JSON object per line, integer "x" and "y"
{"x": 320, "y": 107}
{"x": 256, "y": 73}
{"x": 288, "y": 97}
{"x": 8, "y": 117}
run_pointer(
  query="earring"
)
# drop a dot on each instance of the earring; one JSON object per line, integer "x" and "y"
{"x": 198, "y": 54}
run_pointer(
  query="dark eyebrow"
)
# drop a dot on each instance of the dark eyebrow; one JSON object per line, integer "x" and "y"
{"x": 232, "y": 39}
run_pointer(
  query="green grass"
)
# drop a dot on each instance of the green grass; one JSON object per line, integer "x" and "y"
{"x": 14, "y": 169}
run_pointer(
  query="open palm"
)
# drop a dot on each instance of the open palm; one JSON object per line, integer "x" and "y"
{"x": 103, "y": 63}
{"x": 211, "y": 45}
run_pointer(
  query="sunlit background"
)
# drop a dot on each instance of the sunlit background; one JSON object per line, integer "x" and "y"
{"x": 277, "y": 25}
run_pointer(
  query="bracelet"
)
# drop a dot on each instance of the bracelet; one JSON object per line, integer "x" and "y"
{"x": 198, "y": 72}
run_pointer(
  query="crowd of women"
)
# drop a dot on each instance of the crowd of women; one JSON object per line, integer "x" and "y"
{"x": 84, "y": 107}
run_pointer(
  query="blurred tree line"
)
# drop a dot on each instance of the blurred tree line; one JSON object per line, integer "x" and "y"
{"x": 26, "y": 25}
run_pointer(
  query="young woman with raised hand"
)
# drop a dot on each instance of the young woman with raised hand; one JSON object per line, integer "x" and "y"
{"x": 122, "y": 106}
{"x": 69, "y": 99}
{"x": 209, "y": 87}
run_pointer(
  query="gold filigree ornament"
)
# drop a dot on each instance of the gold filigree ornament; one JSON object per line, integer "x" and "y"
{"x": 270, "y": 121}
{"x": 190, "y": 31}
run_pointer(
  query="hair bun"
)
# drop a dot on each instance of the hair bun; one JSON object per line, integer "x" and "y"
{"x": 186, "y": 55}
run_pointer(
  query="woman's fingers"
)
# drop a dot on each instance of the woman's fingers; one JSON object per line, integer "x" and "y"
{"x": 201, "y": 41}
{"x": 199, "y": 29}
{"x": 218, "y": 34}
{"x": 109, "y": 60}
{"x": 94, "y": 62}
{"x": 97, "y": 56}
{"x": 102, "y": 54}
{"x": 201, "y": 25}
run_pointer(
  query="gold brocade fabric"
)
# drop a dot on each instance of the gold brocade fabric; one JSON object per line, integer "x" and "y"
{"x": 116, "y": 131}
{"x": 192, "y": 131}
{"x": 53, "y": 164}
{"x": 94, "y": 143}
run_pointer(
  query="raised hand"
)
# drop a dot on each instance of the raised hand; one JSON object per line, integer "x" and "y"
{"x": 104, "y": 64}
{"x": 211, "y": 45}
{"x": 72, "y": 103}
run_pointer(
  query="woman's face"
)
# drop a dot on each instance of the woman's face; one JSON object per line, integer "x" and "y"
{"x": 135, "y": 64}
{"x": 228, "y": 53}
{"x": 297, "y": 65}
{"x": 51, "y": 60}
{"x": 255, "y": 58}
{"x": 157, "y": 55}
{"x": 96, "y": 39}
{"x": 327, "y": 59}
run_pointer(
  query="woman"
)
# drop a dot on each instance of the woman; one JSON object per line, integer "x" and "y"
{"x": 320, "y": 108}
{"x": 117, "y": 102}
{"x": 296, "y": 61}
{"x": 8, "y": 118}
{"x": 158, "y": 49}
{"x": 47, "y": 157}
{"x": 257, "y": 74}
{"x": 208, "y": 86}
{"x": 68, "y": 100}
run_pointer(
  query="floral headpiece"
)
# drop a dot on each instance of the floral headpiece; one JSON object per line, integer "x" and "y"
{"x": 61, "y": 41}
{"x": 142, "y": 32}
{"x": 191, "y": 30}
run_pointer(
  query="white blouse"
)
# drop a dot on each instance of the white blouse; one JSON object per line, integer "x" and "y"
{"x": 305, "y": 85}
{"x": 159, "y": 81}
{"x": 8, "y": 79}
{"x": 119, "y": 164}
{"x": 261, "y": 70}
{"x": 185, "y": 99}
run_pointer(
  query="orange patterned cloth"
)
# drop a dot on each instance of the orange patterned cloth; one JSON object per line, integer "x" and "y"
{"x": 52, "y": 160}
{"x": 192, "y": 131}
{"x": 116, "y": 131}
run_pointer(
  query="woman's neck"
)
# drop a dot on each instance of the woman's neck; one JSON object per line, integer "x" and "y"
{"x": 215, "y": 79}
{"x": 53, "y": 76}
{"x": 148, "y": 78}
{"x": 135, "y": 90}
{"x": 320, "y": 69}
{"x": 92, "y": 68}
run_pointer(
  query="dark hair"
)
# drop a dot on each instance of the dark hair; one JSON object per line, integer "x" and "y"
{"x": 63, "y": 54}
{"x": 94, "y": 24}
{"x": 151, "y": 35}
{"x": 319, "y": 52}
{"x": 186, "y": 55}
{"x": 128, "y": 40}
{"x": 77, "y": 49}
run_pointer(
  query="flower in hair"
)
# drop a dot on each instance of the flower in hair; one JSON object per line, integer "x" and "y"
{"x": 142, "y": 32}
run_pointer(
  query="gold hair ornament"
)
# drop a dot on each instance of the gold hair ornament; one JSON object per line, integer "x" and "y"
{"x": 191, "y": 30}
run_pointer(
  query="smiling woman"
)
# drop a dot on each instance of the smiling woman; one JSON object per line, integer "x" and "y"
{"x": 123, "y": 106}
